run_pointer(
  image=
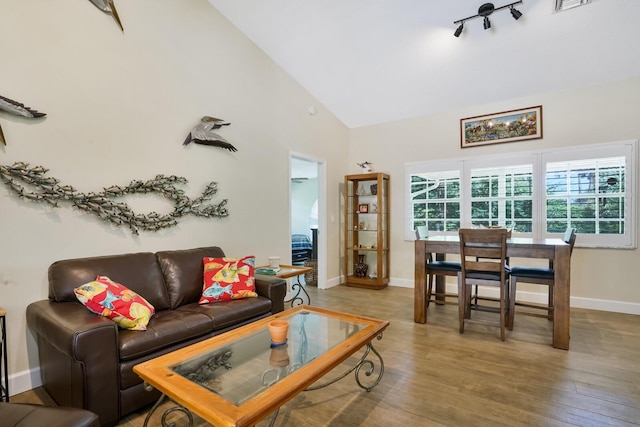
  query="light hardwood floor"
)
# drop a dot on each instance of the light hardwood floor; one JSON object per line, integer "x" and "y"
{"x": 435, "y": 376}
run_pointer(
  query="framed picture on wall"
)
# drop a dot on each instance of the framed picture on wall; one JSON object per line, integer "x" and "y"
{"x": 363, "y": 208}
{"x": 507, "y": 126}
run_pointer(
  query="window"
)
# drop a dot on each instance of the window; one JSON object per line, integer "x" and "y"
{"x": 436, "y": 200}
{"x": 540, "y": 194}
{"x": 503, "y": 196}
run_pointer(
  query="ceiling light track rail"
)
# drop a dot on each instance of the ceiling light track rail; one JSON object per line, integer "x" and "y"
{"x": 484, "y": 11}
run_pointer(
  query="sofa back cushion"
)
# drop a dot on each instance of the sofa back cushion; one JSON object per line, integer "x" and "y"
{"x": 139, "y": 272}
{"x": 183, "y": 272}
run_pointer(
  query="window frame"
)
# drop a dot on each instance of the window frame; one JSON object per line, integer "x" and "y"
{"x": 539, "y": 159}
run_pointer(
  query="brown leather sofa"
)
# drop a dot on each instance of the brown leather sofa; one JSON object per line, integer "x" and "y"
{"x": 27, "y": 415}
{"x": 87, "y": 362}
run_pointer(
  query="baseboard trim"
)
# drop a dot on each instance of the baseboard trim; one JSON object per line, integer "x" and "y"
{"x": 24, "y": 381}
{"x": 541, "y": 298}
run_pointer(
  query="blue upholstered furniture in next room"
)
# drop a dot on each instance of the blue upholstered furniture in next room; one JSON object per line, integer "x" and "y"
{"x": 301, "y": 248}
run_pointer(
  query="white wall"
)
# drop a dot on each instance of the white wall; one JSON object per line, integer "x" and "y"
{"x": 603, "y": 279}
{"x": 304, "y": 195}
{"x": 118, "y": 108}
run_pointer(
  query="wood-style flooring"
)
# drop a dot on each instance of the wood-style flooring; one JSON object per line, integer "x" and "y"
{"x": 434, "y": 376}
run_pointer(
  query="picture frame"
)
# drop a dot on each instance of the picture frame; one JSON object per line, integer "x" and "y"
{"x": 497, "y": 128}
{"x": 363, "y": 208}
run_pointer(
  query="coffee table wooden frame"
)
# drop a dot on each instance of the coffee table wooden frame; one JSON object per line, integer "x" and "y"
{"x": 220, "y": 412}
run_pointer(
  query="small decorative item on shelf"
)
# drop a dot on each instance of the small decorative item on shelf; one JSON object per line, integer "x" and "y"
{"x": 278, "y": 330}
{"x": 374, "y": 189}
{"x": 365, "y": 166}
{"x": 374, "y": 208}
{"x": 363, "y": 208}
{"x": 361, "y": 267}
{"x": 362, "y": 226}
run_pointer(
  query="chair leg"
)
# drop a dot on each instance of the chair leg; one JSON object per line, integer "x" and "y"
{"x": 503, "y": 309}
{"x": 429, "y": 289}
{"x": 550, "y": 309}
{"x": 475, "y": 299}
{"x": 512, "y": 301}
{"x": 461, "y": 302}
{"x": 467, "y": 300}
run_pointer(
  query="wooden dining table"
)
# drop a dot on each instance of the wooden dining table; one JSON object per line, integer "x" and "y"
{"x": 517, "y": 247}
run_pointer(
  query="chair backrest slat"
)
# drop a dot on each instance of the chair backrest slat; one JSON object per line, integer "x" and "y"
{"x": 483, "y": 249}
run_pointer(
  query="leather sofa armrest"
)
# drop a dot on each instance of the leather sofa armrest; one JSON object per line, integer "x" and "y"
{"x": 78, "y": 356}
{"x": 64, "y": 323}
{"x": 273, "y": 288}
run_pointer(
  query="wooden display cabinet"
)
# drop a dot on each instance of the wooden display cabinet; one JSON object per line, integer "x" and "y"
{"x": 366, "y": 230}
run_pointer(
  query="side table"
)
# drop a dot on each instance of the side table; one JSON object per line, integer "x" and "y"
{"x": 289, "y": 271}
{"x": 4, "y": 372}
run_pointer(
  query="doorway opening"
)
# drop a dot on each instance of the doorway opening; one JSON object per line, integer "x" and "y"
{"x": 307, "y": 217}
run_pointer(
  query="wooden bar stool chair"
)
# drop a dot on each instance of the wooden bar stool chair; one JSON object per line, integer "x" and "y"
{"x": 538, "y": 276}
{"x": 483, "y": 263}
{"x": 437, "y": 268}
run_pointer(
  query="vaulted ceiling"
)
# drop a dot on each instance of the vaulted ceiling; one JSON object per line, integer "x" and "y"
{"x": 373, "y": 61}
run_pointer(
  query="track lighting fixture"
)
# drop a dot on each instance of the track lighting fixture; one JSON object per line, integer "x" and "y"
{"x": 459, "y": 30}
{"x": 515, "y": 13}
{"x": 484, "y": 11}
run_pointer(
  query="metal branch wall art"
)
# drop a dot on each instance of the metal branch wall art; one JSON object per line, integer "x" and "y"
{"x": 101, "y": 203}
{"x": 109, "y": 8}
{"x": 18, "y": 109}
{"x": 203, "y": 133}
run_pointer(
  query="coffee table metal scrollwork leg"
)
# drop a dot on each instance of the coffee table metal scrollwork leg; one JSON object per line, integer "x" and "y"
{"x": 298, "y": 299}
{"x": 156, "y": 405}
{"x": 364, "y": 362}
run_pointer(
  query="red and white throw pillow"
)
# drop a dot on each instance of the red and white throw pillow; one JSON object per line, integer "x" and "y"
{"x": 107, "y": 298}
{"x": 228, "y": 278}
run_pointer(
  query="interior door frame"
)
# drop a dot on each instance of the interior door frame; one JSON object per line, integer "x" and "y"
{"x": 322, "y": 213}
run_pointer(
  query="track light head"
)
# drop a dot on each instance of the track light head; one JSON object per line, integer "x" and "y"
{"x": 515, "y": 13}
{"x": 459, "y": 30}
{"x": 487, "y": 23}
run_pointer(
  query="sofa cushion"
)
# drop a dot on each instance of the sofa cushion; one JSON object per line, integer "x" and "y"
{"x": 182, "y": 271}
{"x": 166, "y": 328}
{"x": 228, "y": 278}
{"x": 110, "y": 299}
{"x": 139, "y": 271}
{"x": 227, "y": 313}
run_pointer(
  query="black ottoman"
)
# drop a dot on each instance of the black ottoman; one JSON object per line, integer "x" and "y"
{"x": 26, "y": 415}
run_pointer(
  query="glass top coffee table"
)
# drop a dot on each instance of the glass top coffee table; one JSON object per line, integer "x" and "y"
{"x": 239, "y": 378}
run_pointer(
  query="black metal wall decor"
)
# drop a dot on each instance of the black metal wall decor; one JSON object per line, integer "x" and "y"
{"x": 18, "y": 109}
{"x": 109, "y": 8}
{"x": 203, "y": 133}
{"x": 49, "y": 190}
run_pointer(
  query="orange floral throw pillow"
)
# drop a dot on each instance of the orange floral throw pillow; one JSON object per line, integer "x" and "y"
{"x": 228, "y": 278}
{"x": 110, "y": 299}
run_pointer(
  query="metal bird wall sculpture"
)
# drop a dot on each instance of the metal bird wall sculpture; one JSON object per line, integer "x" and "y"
{"x": 109, "y": 8}
{"x": 203, "y": 133}
{"x": 18, "y": 109}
